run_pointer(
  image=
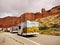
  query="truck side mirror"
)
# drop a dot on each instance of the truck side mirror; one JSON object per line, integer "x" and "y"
{"x": 19, "y": 27}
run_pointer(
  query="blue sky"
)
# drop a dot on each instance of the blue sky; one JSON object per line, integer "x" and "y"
{"x": 17, "y": 7}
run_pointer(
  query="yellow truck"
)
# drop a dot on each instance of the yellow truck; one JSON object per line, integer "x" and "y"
{"x": 28, "y": 28}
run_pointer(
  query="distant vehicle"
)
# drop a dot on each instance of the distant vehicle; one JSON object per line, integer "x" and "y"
{"x": 13, "y": 29}
{"x": 28, "y": 28}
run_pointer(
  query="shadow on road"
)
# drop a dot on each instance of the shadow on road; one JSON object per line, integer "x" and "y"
{"x": 28, "y": 36}
{"x": 14, "y": 32}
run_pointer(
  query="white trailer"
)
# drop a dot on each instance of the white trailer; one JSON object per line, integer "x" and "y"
{"x": 13, "y": 29}
{"x": 28, "y": 28}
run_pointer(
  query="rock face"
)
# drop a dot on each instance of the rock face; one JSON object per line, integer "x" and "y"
{"x": 27, "y": 16}
{"x": 55, "y": 10}
{"x": 13, "y": 21}
{"x": 8, "y": 22}
{"x": 49, "y": 21}
{"x": 38, "y": 15}
{"x": 51, "y": 17}
{"x": 45, "y": 13}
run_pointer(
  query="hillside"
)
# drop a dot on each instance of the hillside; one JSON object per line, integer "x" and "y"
{"x": 55, "y": 10}
{"x": 8, "y": 21}
{"x": 53, "y": 18}
{"x": 49, "y": 21}
{"x": 49, "y": 17}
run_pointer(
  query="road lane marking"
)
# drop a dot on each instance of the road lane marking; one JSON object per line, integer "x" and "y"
{"x": 15, "y": 39}
{"x": 32, "y": 41}
{"x": 27, "y": 39}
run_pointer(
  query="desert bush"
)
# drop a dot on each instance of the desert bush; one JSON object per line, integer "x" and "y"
{"x": 43, "y": 28}
{"x": 45, "y": 32}
{"x": 55, "y": 26}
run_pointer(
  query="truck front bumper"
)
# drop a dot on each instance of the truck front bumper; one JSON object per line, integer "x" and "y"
{"x": 30, "y": 33}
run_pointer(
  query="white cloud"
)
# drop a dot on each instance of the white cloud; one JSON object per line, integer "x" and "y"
{"x": 37, "y": 5}
{"x": 21, "y": 6}
{"x": 6, "y": 14}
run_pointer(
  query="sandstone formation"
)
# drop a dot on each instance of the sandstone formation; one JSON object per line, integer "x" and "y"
{"x": 9, "y": 21}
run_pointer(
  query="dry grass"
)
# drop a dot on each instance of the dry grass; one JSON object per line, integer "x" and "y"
{"x": 50, "y": 32}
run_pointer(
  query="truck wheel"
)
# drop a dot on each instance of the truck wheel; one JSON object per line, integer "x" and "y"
{"x": 20, "y": 34}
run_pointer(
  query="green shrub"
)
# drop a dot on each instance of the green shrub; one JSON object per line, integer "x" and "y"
{"x": 55, "y": 26}
{"x": 43, "y": 28}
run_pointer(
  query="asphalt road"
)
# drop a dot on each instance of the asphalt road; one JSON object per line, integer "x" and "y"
{"x": 14, "y": 39}
{"x": 46, "y": 39}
